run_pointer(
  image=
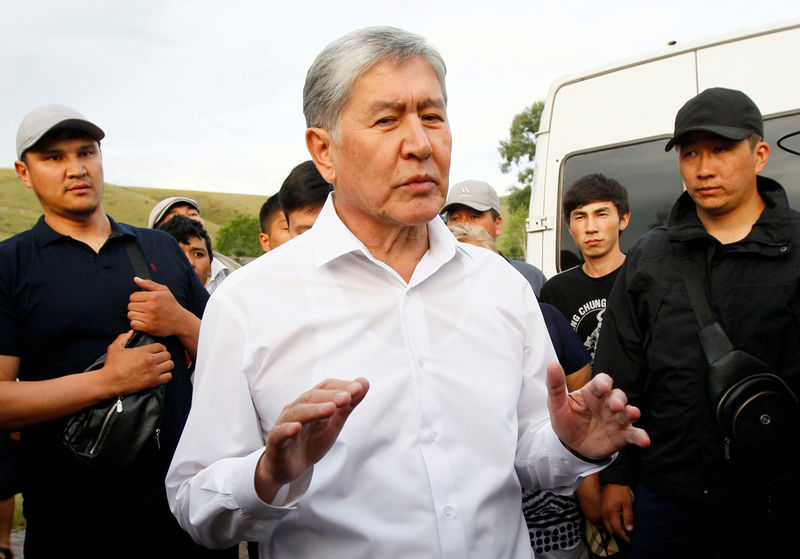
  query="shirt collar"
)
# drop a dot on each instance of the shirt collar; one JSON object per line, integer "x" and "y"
{"x": 772, "y": 229}
{"x": 44, "y": 234}
{"x": 331, "y": 239}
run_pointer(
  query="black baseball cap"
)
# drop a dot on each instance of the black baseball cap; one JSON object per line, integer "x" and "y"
{"x": 725, "y": 112}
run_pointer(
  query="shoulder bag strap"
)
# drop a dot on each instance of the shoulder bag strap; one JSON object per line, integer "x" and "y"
{"x": 712, "y": 337}
{"x": 136, "y": 257}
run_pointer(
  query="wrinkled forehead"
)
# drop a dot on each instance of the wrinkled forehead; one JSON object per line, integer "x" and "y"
{"x": 390, "y": 64}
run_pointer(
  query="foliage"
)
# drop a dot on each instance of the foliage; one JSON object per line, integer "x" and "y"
{"x": 520, "y": 147}
{"x": 519, "y": 198}
{"x": 20, "y": 209}
{"x": 519, "y": 151}
{"x": 512, "y": 242}
{"x": 240, "y": 237}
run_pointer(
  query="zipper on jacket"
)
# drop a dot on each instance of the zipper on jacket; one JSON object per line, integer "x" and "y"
{"x": 727, "y": 448}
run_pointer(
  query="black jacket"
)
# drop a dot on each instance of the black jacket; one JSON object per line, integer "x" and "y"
{"x": 649, "y": 342}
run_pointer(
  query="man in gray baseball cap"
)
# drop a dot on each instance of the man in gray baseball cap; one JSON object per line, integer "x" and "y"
{"x": 166, "y": 209}
{"x": 476, "y": 203}
{"x": 68, "y": 293}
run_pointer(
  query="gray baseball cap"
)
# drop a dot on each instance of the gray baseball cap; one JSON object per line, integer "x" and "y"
{"x": 40, "y": 121}
{"x": 477, "y": 195}
{"x": 160, "y": 209}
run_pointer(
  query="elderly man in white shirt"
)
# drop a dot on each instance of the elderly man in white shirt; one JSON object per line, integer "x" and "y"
{"x": 426, "y": 458}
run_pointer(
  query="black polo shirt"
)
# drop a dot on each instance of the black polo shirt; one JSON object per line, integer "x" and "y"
{"x": 61, "y": 305}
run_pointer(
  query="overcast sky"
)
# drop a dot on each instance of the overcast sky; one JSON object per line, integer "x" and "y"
{"x": 206, "y": 95}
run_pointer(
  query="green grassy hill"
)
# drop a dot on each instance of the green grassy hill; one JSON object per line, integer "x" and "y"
{"x": 19, "y": 208}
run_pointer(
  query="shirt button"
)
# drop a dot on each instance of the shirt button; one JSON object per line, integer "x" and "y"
{"x": 432, "y": 436}
{"x": 448, "y": 510}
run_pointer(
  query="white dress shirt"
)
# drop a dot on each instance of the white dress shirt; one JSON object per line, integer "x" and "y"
{"x": 219, "y": 271}
{"x": 430, "y": 463}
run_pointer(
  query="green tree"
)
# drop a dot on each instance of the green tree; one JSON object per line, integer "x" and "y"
{"x": 518, "y": 151}
{"x": 240, "y": 237}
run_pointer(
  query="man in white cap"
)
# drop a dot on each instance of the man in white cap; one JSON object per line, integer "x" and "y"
{"x": 477, "y": 203}
{"x": 68, "y": 290}
{"x": 166, "y": 209}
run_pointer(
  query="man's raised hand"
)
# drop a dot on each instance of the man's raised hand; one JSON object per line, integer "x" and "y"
{"x": 304, "y": 432}
{"x": 596, "y": 420}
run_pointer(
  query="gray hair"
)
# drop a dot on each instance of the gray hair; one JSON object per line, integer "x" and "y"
{"x": 474, "y": 235}
{"x": 330, "y": 79}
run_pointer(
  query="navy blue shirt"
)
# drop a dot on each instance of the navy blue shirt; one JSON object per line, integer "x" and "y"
{"x": 572, "y": 354}
{"x": 61, "y": 305}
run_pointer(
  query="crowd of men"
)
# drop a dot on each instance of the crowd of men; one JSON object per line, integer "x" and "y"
{"x": 380, "y": 384}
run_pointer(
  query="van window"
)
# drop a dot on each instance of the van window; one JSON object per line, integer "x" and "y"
{"x": 651, "y": 177}
{"x": 648, "y": 173}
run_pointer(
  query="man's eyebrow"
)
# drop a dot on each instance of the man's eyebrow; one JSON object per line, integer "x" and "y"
{"x": 381, "y": 105}
{"x": 48, "y": 151}
{"x": 56, "y": 150}
{"x": 435, "y": 102}
{"x": 378, "y": 106}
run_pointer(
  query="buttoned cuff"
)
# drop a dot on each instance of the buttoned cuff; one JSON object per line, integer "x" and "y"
{"x": 244, "y": 490}
{"x": 572, "y": 460}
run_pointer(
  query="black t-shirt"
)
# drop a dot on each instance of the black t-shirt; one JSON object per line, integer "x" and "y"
{"x": 582, "y": 299}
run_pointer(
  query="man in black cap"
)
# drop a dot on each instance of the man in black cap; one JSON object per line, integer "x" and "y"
{"x": 696, "y": 492}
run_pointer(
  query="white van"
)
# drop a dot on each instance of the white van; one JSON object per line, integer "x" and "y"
{"x": 617, "y": 119}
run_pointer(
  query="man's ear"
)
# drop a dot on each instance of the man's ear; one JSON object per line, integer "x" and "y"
{"x": 320, "y": 145}
{"x": 624, "y": 221}
{"x": 263, "y": 238}
{"x": 762, "y": 151}
{"x": 498, "y": 226}
{"x": 22, "y": 171}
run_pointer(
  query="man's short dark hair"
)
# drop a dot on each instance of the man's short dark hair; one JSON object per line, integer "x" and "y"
{"x": 303, "y": 189}
{"x": 269, "y": 210}
{"x": 595, "y": 188}
{"x": 183, "y": 229}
